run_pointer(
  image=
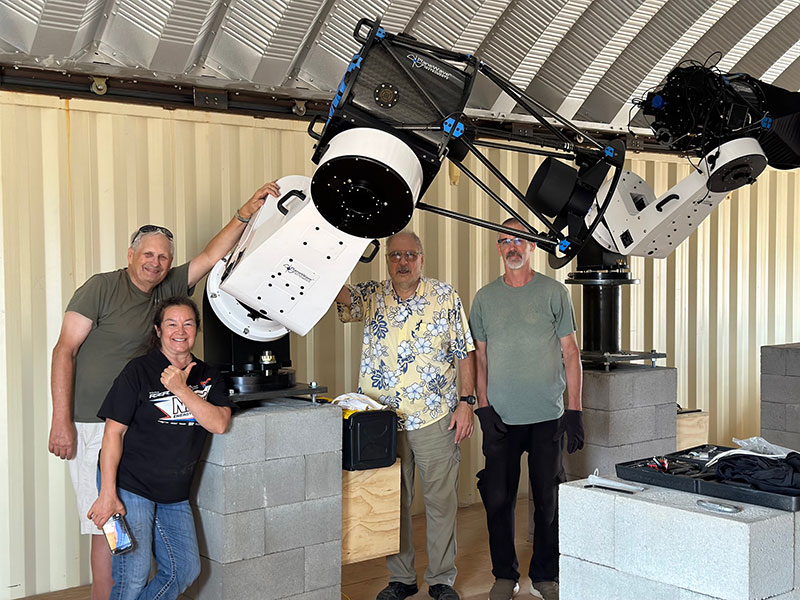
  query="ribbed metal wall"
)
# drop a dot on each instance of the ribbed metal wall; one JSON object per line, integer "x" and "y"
{"x": 77, "y": 177}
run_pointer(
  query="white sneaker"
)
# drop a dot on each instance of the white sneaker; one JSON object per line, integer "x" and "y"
{"x": 545, "y": 590}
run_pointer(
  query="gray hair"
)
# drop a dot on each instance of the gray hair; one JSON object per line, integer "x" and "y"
{"x": 136, "y": 237}
{"x": 415, "y": 237}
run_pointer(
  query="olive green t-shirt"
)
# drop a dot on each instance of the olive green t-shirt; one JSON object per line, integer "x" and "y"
{"x": 521, "y": 327}
{"x": 122, "y": 318}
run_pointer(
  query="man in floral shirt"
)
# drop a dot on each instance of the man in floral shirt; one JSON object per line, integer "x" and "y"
{"x": 415, "y": 334}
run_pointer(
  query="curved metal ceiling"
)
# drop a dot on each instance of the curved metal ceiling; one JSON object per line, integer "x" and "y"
{"x": 586, "y": 59}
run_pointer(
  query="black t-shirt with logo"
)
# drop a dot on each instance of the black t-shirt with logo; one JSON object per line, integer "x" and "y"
{"x": 163, "y": 442}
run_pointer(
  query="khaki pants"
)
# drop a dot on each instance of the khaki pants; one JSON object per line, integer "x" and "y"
{"x": 434, "y": 452}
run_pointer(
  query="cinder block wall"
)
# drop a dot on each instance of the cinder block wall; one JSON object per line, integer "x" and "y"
{"x": 780, "y": 395}
{"x": 628, "y": 413}
{"x": 659, "y": 544}
{"x": 268, "y": 505}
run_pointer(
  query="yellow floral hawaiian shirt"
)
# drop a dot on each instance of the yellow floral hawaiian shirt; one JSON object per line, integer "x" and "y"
{"x": 408, "y": 358}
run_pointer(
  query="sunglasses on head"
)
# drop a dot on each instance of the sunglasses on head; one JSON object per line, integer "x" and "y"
{"x": 145, "y": 229}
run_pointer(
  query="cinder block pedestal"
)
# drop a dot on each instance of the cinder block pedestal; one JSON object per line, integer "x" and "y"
{"x": 780, "y": 395}
{"x": 268, "y": 505}
{"x": 660, "y": 544}
{"x": 628, "y": 413}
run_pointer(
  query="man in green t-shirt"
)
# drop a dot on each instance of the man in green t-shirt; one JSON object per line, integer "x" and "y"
{"x": 523, "y": 325}
{"x": 106, "y": 324}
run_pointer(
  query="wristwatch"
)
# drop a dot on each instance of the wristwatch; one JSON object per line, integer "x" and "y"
{"x": 468, "y": 399}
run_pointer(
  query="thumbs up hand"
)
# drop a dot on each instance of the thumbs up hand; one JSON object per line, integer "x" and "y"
{"x": 174, "y": 379}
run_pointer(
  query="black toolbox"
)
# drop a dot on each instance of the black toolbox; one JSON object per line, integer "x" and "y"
{"x": 369, "y": 440}
{"x": 687, "y": 473}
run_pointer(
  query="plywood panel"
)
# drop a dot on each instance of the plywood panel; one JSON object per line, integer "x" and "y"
{"x": 370, "y": 513}
{"x": 692, "y": 430}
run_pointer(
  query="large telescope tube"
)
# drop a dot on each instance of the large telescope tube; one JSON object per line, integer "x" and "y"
{"x": 367, "y": 183}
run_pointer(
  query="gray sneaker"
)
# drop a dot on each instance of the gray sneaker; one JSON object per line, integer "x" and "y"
{"x": 504, "y": 589}
{"x": 545, "y": 590}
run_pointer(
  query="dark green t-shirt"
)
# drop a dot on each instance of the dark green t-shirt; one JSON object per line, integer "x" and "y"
{"x": 122, "y": 318}
{"x": 522, "y": 327}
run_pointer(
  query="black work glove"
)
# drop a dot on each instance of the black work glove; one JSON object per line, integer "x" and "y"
{"x": 572, "y": 423}
{"x": 494, "y": 431}
{"x": 490, "y": 421}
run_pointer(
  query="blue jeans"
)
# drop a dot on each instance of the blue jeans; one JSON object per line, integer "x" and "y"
{"x": 165, "y": 531}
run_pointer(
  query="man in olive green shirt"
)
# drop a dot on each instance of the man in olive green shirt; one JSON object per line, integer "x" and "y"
{"x": 106, "y": 324}
{"x": 526, "y": 354}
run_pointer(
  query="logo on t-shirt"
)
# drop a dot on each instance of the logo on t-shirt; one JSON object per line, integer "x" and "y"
{"x": 175, "y": 411}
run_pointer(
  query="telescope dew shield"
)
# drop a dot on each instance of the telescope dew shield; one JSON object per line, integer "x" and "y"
{"x": 367, "y": 183}
{"x": 551, "y": 186}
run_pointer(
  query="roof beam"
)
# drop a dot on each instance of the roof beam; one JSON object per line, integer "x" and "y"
{"x": 606, "y": 57}
{"x": 755, "y": 35}
{"x": 540, "y": 50}
{"x": 783, "y": 63}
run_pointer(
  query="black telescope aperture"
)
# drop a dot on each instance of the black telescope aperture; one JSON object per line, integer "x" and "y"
{"x": 551, "y": 187}
{"x": 362, "y": 197}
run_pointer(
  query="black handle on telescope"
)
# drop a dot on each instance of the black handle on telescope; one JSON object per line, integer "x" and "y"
{"x": 288, "y": 196}
{"x": 660, "y": 206}
{"x": 311, "y": 125}
{"x": 373, "y": 25}
{"x": 376, "y": 245}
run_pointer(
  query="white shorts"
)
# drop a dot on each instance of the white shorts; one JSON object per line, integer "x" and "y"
{"x": 83, "y": 471}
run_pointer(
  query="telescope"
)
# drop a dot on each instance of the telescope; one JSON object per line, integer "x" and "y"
{"x": 399, "y": 112}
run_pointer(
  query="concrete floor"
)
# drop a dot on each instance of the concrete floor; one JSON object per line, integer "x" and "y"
{"x": 363, "y": 581}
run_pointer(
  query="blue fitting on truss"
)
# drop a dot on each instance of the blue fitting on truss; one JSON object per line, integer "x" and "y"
{"x": 448, "y": 124}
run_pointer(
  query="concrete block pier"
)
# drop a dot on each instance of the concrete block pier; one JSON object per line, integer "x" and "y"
{"x": 780, "y": 395}
{"x": 268, "y": 505}
{"x": 628, "y": 413}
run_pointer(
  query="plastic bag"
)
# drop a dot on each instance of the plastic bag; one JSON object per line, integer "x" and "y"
{"x": 761, "y": 446}
{"x": 357, "y": 402}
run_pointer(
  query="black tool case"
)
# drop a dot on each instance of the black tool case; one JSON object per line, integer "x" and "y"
{"x": 369, "y": 440}
{"x": 691, "y": 477}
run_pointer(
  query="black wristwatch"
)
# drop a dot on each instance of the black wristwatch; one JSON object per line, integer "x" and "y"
{"x": 468, "y": 399}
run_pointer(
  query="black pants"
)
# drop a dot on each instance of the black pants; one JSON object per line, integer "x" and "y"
{"x": 498, "y": 484}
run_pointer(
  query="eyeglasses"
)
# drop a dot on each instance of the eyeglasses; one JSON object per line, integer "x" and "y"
{"x": 516, "y": 241}
{"x": 409, "y": 255}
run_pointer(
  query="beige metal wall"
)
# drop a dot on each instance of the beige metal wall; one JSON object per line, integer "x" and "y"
{"x": 76, "y": 177}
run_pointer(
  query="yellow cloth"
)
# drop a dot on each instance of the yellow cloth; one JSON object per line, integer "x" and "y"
{"x": 410, "y": 347}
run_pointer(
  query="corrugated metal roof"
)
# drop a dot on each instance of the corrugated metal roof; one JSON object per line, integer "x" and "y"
{"x": 583, "y": 58}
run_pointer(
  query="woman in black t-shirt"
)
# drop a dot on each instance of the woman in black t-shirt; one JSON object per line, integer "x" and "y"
{"x": 157, "y": 415}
